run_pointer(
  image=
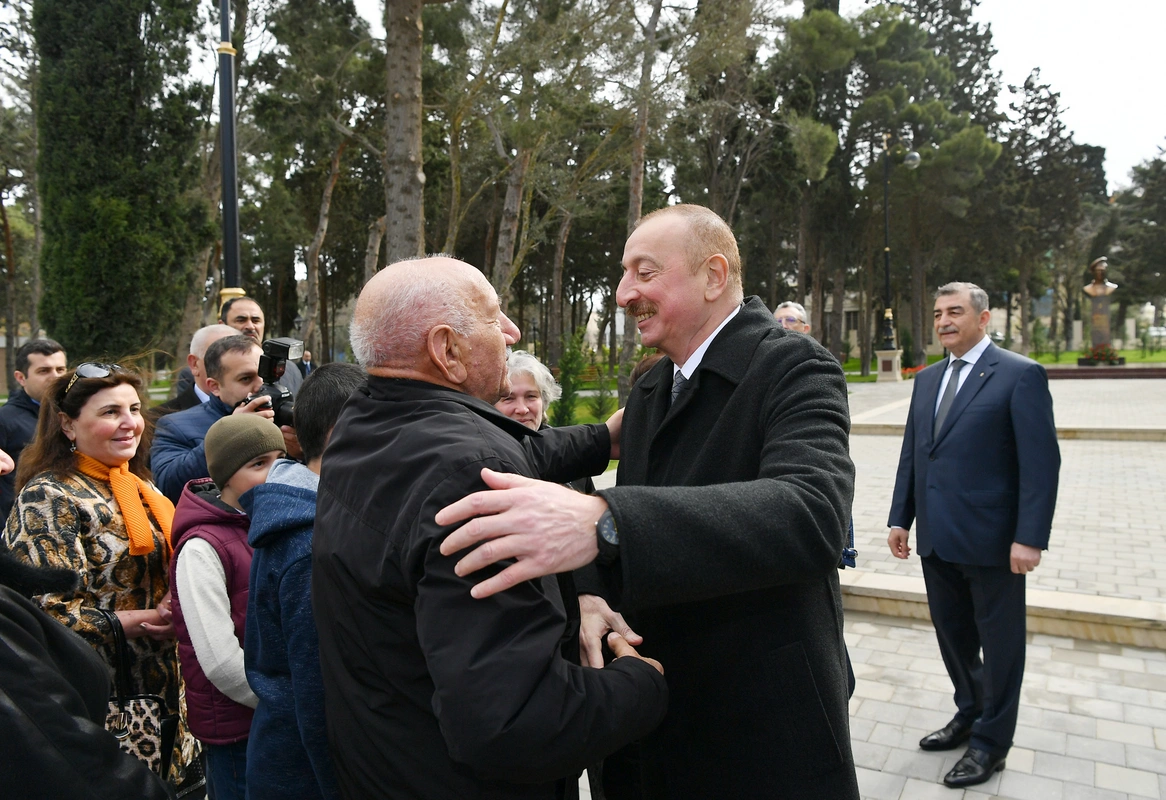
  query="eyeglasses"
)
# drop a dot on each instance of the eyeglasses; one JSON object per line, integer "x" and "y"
{"x": 790, "y": 321}
{"x": 91, "y": 369}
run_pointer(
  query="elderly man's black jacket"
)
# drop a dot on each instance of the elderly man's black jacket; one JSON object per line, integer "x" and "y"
{"x": 732, "y": 508}
{"x": 430, "y": 693}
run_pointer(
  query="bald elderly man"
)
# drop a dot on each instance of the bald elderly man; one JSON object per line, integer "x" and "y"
{"x": 432, "y": 693}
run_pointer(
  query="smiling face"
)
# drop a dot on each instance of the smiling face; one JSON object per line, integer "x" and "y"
{"x": 957, "y": 324}
{"x": 671, "y": 303}
{"x": 109, "y": 426}
{"x": 524, "y": 403}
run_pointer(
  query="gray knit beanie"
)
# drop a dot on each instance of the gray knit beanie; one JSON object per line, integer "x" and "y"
{"x": 236, "y": 439}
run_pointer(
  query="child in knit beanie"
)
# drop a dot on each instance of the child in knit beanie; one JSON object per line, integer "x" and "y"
{"x": 209, "y": 574}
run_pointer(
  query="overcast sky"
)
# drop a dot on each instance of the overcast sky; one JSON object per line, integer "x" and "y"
{"x": 1099, "y": 56}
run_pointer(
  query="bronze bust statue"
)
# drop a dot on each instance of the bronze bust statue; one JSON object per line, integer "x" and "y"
{"x": 1101, "y": 287}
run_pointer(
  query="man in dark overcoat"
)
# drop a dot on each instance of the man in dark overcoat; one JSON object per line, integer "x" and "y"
{"x": 721, "y": 540}
{"x": 978, "y": 473}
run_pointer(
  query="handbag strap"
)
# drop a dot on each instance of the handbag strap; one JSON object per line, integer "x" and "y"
{"x": 121, "y": 661}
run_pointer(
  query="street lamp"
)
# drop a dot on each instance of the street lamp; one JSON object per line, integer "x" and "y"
{"x": 230, "y": 192}
{"x": 910, "y": 161}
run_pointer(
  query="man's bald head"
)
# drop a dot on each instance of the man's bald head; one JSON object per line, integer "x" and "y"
{"x": 403, "y": 302}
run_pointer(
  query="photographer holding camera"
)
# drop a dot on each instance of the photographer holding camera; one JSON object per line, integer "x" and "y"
{"x": 233, "y": 375}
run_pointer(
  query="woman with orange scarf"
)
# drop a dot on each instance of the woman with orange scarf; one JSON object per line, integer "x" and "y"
{"x": 85, "y": 502}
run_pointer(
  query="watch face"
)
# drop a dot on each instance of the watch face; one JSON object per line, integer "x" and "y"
{"x": 607, "y": 528}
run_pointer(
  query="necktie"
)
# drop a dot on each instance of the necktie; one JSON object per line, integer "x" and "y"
{"x": 678, "y": 384}
{"x": 953, "y": 385}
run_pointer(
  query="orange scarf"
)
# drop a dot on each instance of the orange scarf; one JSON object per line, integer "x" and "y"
{"x": 130, "y": 491}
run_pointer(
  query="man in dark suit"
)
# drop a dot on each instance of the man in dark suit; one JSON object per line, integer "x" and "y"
{"x": 978, "y": 472}
{"x": 198, "y": 392}
{"x": 721, "y": 540}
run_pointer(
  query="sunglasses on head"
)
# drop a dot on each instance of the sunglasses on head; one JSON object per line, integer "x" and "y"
{"x": 92, "y": 369}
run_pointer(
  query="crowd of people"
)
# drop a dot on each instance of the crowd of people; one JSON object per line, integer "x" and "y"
{"x": 415, "y": 591}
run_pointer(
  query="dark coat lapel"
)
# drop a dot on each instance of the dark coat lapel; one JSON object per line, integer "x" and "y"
{"x": 981, "y": 373}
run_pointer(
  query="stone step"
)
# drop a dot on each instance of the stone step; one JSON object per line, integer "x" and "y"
{"x": 1116, "y": 620}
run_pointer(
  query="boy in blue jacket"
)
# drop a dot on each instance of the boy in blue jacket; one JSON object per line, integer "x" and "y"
{"x": 287, "y": 753}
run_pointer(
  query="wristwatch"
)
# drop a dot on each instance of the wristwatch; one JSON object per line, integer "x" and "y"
{"x": 607, "y": 537}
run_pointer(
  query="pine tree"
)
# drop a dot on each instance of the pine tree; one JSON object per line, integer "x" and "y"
{"x": 117, "y": 134}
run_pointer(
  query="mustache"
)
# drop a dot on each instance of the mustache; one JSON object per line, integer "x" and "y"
{"x": 637, "y": 308}
{"x": 948, "y": 329}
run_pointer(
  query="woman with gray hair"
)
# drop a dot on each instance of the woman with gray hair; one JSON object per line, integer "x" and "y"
{"x": 532, "y": 389}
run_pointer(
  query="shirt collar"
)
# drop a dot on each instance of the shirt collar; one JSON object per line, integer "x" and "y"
{"x": 202, "y": 396}
{"x": 689, "y": 366}
{"x": 973, "y": 355}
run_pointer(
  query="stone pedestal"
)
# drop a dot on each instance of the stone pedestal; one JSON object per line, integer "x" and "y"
{"x": 1099, "y": 320}
{"x": 890, "y": 364}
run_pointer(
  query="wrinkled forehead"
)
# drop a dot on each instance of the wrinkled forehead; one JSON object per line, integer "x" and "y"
{"x": 245, "y": 309}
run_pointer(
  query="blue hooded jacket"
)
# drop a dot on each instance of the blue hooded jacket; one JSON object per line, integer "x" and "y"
{"x": 287, "y": 753}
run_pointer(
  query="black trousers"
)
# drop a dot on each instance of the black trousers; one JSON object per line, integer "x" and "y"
{"x": 978, "y": 608}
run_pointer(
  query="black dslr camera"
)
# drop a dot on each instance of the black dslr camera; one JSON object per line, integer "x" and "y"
{"x": 272, "y": 364}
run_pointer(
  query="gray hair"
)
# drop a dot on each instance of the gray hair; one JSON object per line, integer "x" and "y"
{"x": 203, "y": 338}
{"x": 798, "y": 308}
{"x": 390, "y": 327}
{"x": 520, "y": 362}
{"x": 978, "y": 295}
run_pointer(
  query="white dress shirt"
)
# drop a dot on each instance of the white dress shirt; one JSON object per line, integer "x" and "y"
{"x": 689, "y": 366}
{"x": 969, "y": 358}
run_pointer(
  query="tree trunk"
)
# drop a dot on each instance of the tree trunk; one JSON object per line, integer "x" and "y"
{"x": 838, "y": 313}
{"x": 10, "y": 338}
{"x": 34, "y": 201}
{"x": 504, "y": 270}
{"x": 627, "y": 351}
{"x": 372, "y": 252}
{"x": 817, "y": 299}
{"x": 803, "y": 244}
{"x": 404, "y": 175}
{"x": 918, "y": 302}
{"x": 311, "y": 330}
{"x": 555, "y": 327}
{"x": 1025, "y": 310}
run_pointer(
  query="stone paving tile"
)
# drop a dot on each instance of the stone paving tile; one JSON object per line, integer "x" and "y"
{"x": 1067, "y": 746}
{"x": 1132, "y": 781}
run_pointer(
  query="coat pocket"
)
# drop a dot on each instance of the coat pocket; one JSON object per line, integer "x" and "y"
{"x": 807, "y": 745}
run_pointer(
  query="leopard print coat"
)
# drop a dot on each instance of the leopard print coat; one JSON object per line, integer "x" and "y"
{"x": 76, "y": 523}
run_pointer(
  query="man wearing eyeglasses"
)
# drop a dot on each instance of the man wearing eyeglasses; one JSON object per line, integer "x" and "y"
{"x": 792, "y": 316}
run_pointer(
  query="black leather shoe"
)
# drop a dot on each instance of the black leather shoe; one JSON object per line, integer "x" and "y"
{"x": 949, "y": 737}
{"x": 977, "y": 766}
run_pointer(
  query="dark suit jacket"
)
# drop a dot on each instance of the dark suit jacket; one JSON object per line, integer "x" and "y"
{"x": 178, "y": 454}
{"x": 181, "y": 402}
{"x": 732, "y": 507}
{"x": 990, "y": 477}
{"x": 17, "y": 428}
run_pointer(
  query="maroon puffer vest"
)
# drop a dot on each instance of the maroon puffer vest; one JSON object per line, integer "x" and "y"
{"x": 212, "y": 716}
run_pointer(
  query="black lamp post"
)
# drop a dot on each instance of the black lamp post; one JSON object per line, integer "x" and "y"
{"x": 911, "y": 161}
{"x": 227, "y": 132}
